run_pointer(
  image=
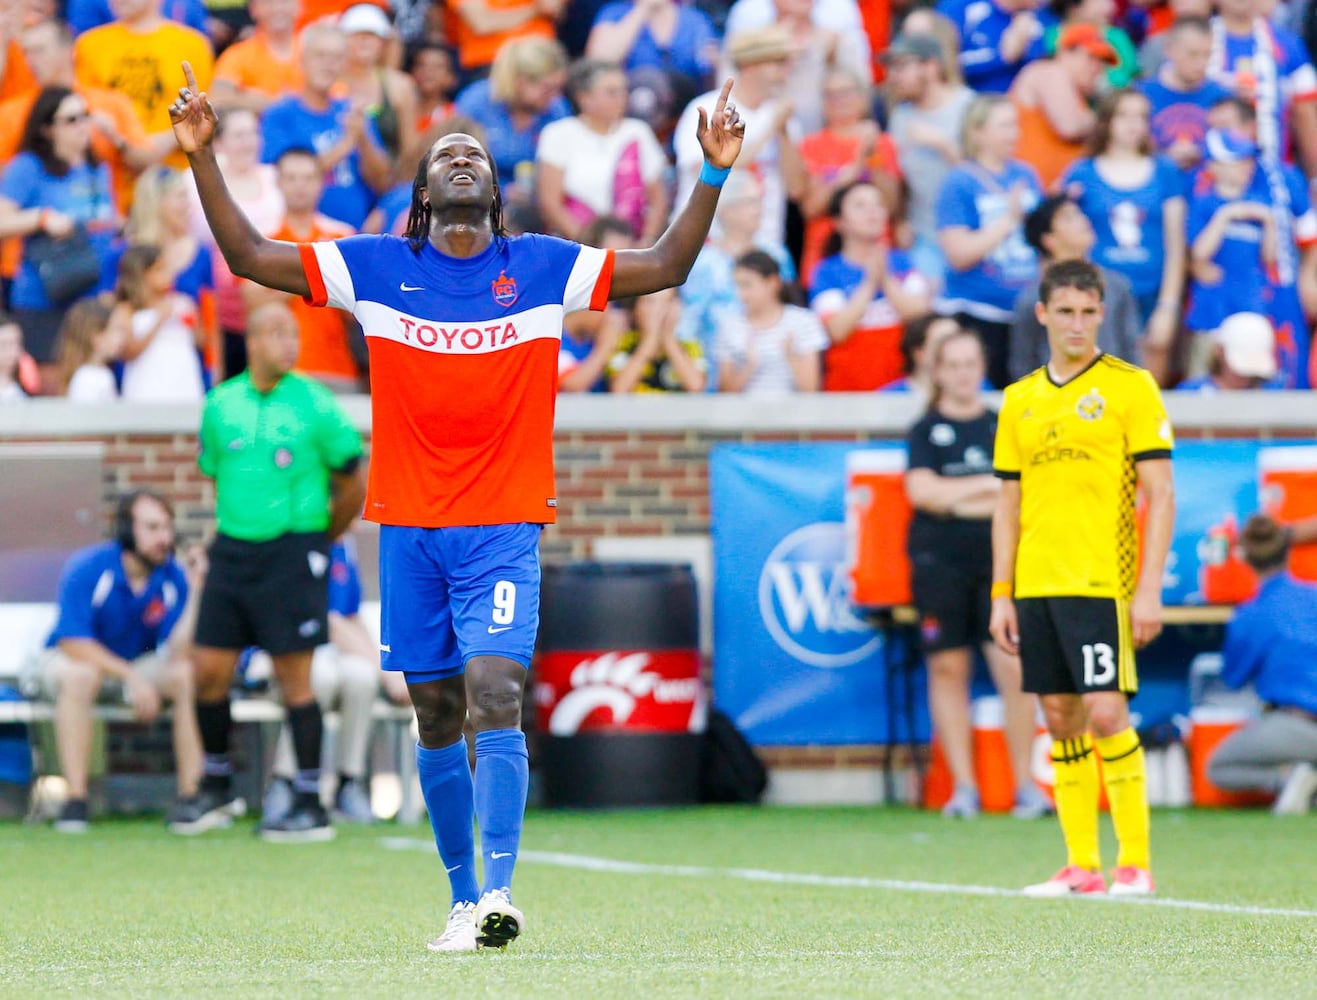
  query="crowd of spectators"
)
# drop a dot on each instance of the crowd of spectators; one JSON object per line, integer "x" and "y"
{"x": 902, "y": 161}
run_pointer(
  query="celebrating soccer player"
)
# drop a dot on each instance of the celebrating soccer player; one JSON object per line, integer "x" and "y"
{"x": 1075, "y": 440}
{"x": 463, "y": 324}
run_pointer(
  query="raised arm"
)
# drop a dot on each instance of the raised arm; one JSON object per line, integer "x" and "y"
{"x": 247, "y": 252}
{"x": 667, "y": 262}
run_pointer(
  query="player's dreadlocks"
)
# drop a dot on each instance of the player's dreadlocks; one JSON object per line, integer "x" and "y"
{"x": 418, "y": 219}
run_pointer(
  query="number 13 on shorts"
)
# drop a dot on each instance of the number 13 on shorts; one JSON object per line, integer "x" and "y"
{"x": 1099, "y": 664}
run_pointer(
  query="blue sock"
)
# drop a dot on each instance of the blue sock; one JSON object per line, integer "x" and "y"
{"x": 502, "y": 774}
{"x": 446, "y": 784}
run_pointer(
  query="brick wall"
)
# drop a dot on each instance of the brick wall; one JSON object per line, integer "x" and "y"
{"x": 609, "y": 483}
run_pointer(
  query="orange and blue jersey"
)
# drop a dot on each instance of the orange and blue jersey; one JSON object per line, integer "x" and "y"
{"x": 1295, "y": 77}
{"x": 464, "y": 369}
{"x": 1248, "y": 284}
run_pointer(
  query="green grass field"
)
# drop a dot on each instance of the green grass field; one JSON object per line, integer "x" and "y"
{"x": 861, "y": 904}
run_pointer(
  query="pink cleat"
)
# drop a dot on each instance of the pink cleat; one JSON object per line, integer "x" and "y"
{"x": 1069, "y": 881}
{"x": 1131, "y": 881}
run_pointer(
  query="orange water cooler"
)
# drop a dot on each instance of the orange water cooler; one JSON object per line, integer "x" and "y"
{"x": 992, "y": 762}
{"x": 1209, "y": 725}
{"x": 1224, "y": 577}
{"x": 1287, "y": 488}
{"x": 877, "y": 522}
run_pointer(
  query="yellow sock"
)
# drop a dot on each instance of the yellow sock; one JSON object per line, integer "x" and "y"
{"x": 1126, "y": 777}
{"x": 1076, "y": 791}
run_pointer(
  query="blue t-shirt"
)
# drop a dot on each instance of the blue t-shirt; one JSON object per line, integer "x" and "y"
{"x": 395, "y": 205}
{"x": 1128, "y": 222}
{"x": 974, "y": 197}
{"x": 684, "y": 52}
{"x": 83, "y": 15}
{"x": 344, "y": 580}
{"x": 96, "y": 602}
{"x": 290, "y": 124}
{"x": 1205, "y": 385}
{"x": 83, "y": 194}
{"x": 507, "y": 144}
{"x": 572, "y": 351}
{"x": 981, "y": 23}
{"x": 1272, "y": 644}
{"x": 1180, "y": 114}
{"x": 1246, "y": 285}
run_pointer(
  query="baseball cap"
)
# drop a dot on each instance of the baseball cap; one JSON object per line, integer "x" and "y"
{"x": 921, "y": 47}
{"x": 1249, "y": 345}
{"x": 1089, "y": 38}
{"x": 367, "y": 18}
{"x": 759, "y": 45}
{"x": 1229, "y": 146}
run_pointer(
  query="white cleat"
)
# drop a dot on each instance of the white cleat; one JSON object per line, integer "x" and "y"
{"x": 1297, "y": 793}
{"x": 460, "y": 934}
{"x": 1129, "y": 880}
{"x": 498, "y": 922}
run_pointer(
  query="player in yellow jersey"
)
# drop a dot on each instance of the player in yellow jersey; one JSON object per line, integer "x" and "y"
{"x": 1076, "y": 441}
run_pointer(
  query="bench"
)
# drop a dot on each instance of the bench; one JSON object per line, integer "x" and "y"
{"x": 24, "y": 628}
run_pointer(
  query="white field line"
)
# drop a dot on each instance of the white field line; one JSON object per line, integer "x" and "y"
{"x": 583, "y": 862}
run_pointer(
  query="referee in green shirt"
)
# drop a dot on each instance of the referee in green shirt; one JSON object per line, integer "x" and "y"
{"x": 286, "y": 462}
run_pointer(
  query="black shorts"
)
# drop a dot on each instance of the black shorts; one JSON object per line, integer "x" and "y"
{"x": 954, "y": 605}
{"x": 273, "y": 594}
{"x": 1074, "y": 645}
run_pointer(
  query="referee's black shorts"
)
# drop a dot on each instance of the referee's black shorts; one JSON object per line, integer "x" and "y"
{"x": 273, "y": 594}
{"x": 1076, "y": 645}
{"x": 954, "y": 603}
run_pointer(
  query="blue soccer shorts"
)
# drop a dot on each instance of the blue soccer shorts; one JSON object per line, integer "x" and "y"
{"x": 449, "y": 594}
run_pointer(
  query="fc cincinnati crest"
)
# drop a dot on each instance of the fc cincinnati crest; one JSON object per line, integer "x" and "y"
{"x": 505, "y": 289}
{"x": 1090, "y": 405}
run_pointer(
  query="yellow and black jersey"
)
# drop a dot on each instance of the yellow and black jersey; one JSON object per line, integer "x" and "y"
{"x": 1073, "y": 447}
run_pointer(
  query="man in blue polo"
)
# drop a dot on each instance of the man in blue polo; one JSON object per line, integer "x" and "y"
{"x": 124, "y": 631}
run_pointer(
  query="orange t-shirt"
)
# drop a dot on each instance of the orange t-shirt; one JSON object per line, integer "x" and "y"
{"x": 323, "y": 332}
{"x": 1042, "y": 148}
{"x": 17, "y": 78}
{"x": 824, "y": 154}
{"x": 252, "y": 65}
{"x": 475, "y": 50}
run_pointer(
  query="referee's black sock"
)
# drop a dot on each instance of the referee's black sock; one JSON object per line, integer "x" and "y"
{"x": 214, "y": 720}
{"x": 307, "y": 727}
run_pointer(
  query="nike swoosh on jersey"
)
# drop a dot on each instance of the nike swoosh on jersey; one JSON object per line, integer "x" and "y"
{"x": 404, "y": 287}
{"x": 496, "y": 631}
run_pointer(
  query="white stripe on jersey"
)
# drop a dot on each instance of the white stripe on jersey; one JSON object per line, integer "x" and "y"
{"x": 460, "y": 336}
{"x": 1305, "y": 228}
{"x": 334, "y": 271}
{"x": 878, "y": 314}
{"x": 585, "y": 275}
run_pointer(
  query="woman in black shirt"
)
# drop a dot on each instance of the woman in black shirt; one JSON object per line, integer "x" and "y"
{"x": 951, "y": 486}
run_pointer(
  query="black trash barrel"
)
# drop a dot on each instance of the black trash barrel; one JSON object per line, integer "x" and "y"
{"x": 619, "y": 703}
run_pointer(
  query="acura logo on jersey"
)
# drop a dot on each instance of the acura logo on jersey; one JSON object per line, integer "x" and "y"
{"x": 1049, "y": 455}
{"x": 504, "y": 289}
{"x": 457, "y": 339}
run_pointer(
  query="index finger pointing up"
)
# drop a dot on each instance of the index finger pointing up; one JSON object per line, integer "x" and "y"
{"x": 722, "y": 99}
{"x": 191, "y": 79}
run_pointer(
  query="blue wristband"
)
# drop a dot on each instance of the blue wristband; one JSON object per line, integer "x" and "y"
{"x": 712, "y": 176}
